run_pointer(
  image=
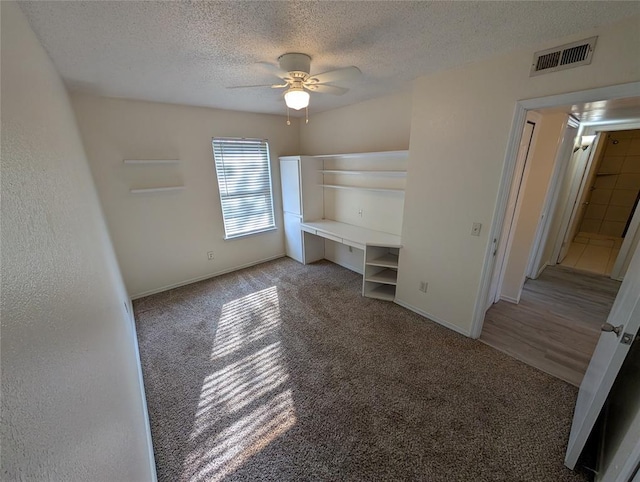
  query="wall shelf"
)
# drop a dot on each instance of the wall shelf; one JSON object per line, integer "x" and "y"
{"x": 366, "y": 173}
{"x": 361, "y": 188}
{"x": 156, "y": 189}
{"x": 148, "y": 162}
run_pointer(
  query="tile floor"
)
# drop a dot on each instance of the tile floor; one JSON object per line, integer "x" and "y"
{"x": 591, "y": 252}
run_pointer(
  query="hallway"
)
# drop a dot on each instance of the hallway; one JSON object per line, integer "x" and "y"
{"x": 591, "y": 252}
{"x": 556, "y": 325}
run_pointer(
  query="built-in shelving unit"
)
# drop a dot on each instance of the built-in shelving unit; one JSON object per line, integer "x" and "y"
{"x": 156, "y": 189}
{"x": 380, "y": 272}
{"x": 150, "y": 162}
{"x": 366, "y": 171}
{"x": 347, "y": 208}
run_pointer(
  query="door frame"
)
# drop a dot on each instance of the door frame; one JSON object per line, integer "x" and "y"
{"x": 519, "y": 118}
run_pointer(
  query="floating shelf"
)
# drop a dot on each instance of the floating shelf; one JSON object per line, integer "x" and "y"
{"x": 146, "y": 162}
{"x": 360, "y": 188}
{"x": 367, "y": 173}
{"x": 382, "y": 292}
{"x": 156, "y": 189}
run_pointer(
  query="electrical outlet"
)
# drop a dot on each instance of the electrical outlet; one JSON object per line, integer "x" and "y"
{"x": 475, "y": 230}
{"x": 210, "y": 255}
{"x": 423, "y": 286}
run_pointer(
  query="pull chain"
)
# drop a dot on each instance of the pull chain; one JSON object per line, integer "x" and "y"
{"x": 307, "y": 115}
{"x": 288, "y": 121}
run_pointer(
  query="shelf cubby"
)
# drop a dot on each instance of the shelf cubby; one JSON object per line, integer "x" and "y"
{"x": 380, "y": 272}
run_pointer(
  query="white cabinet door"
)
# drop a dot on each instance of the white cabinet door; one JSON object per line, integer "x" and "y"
{"x": 293, "y": 239}
{"x": 290, "y": 178}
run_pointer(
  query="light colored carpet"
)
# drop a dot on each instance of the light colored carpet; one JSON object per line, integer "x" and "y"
{"x": 284, "y": 372}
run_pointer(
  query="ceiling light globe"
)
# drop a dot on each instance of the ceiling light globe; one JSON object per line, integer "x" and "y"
{"x": 296, "y": 99}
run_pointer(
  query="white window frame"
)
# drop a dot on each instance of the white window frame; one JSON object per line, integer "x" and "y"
{"x": 226, "y": 176}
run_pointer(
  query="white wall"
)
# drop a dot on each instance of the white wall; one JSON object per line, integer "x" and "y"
{"x": 535, "y": 184}
{"x": 161, "y": 240}
{"x": 72, "y": 400}
{"x": 381, "y": 124}
{"x": 460, "y": 126}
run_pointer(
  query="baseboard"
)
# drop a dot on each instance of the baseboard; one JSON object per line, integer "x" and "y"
{"x": 542, "y": 268}
{"x": 207, "y": 276}
{"x": 509, "y": 299}
{"x": 435, "y": 319}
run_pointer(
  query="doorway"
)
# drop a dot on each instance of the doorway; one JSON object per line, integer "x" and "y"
{"x": 607, "y": 207}
{"x": 560, "y": 341}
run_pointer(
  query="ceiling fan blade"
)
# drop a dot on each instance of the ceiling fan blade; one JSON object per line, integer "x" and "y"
{"x": 274, "y": 70}
{"x": 276, "y": 86}
{"x": 338, "y": 75}
{"x": 326, "y": 89}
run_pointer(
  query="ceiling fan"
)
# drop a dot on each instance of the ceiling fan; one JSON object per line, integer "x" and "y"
{"x": 294, "y": 69}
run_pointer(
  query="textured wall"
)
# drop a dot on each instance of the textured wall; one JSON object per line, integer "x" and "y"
{"x": 381, "y": 124}
{"x": 72, "y": 401}
{"x": 162, "y": 239}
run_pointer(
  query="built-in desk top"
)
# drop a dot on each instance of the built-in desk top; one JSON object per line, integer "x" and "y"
{"x": 350, "y": 234}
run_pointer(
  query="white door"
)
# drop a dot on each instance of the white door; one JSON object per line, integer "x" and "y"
{"x": 606, "y": 361}
{"x": 582, "y": 184}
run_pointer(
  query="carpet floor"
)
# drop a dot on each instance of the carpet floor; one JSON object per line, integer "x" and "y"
{"x": 284, "y": 372}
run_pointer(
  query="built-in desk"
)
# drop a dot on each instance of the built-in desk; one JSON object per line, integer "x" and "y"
{"x": 380, "y": 253}
{"x": 351, "y": 235}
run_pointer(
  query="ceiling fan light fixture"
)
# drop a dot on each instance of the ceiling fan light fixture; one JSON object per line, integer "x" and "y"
{"x": 296, "y": 98}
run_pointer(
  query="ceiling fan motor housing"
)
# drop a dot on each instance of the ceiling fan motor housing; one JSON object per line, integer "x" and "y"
{"x": 295, "y": 62}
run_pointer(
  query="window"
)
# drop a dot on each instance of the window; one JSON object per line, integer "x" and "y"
{"x": 244, "y": 180}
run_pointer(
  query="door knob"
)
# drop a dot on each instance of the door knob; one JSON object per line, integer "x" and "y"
{"x": 610, "y": 328}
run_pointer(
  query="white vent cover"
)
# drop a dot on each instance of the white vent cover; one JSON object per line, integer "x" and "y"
{"x": 563, "y": 57}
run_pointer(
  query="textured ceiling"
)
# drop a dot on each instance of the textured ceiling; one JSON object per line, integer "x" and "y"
{"x": 188, "y": 53}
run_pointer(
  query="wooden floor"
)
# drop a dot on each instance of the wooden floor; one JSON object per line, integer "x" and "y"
{"x": 556, "y": 325}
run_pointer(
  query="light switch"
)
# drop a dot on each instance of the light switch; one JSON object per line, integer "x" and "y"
{"x": 475, "y": 230}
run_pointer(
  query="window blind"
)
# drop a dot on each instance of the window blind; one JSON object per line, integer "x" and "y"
{"x": 244, "y": 181}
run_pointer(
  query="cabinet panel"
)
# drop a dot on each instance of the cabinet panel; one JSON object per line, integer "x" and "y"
{"x": 290, "y": 179}
{"x": 293, "y": 240}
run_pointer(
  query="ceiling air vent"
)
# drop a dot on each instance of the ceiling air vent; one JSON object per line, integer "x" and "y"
{"x": 563, "y": 57}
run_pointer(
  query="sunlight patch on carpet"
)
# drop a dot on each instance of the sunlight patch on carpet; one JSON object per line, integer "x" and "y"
{"x": 245, "y": 403}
